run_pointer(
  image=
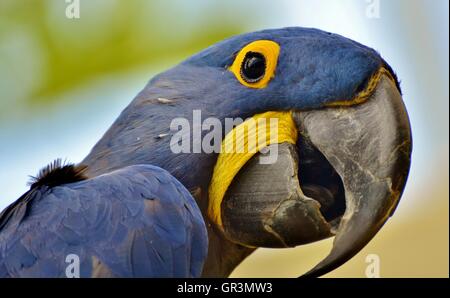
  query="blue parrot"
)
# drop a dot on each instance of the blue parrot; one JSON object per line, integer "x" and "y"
{"x": 135, "y": 208}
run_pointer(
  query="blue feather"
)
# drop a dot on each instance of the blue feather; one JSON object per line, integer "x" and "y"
{"x": 133, "y": 220}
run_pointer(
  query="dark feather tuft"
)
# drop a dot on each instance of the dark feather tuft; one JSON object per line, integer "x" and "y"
{"x": 58, "y": 173}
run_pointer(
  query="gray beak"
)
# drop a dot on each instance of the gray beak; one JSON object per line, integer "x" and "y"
{"x": 369, "y": 146}
{"x": 345, "y": 178}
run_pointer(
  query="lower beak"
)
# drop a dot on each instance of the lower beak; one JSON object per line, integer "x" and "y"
{"x": 368, "y": 147}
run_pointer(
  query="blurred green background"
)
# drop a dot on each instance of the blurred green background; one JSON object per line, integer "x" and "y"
{"x": 64, "y": 81}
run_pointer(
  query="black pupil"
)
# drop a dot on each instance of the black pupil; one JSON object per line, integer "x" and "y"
{"x": 253, "y": 67}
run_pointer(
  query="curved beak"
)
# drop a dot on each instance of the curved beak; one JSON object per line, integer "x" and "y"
{"x": 344, "y": 178}
{"x": 369, "y": 146}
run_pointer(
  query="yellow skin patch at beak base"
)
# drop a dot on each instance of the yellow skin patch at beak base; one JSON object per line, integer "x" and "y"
{"x": 239, "y": 145}
{"x": 367, "y": 92}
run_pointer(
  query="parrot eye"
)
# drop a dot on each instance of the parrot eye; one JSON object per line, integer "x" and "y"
{"x": 253, "y": 67}
{"x": 255, "y": 63}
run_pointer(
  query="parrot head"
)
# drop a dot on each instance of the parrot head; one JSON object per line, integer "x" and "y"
{"x": 342, "y": 137}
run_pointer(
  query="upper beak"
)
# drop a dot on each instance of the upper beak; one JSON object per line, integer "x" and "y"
{"x": 367, "y": 145}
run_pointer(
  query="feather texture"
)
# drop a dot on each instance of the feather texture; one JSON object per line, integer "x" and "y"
{"x": 135, "y": 222}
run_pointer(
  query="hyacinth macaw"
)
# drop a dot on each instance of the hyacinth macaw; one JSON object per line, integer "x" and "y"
{"x": 135, "y": 208}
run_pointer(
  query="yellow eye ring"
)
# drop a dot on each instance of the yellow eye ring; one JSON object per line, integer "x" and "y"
{"x": 255, "y": 64}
